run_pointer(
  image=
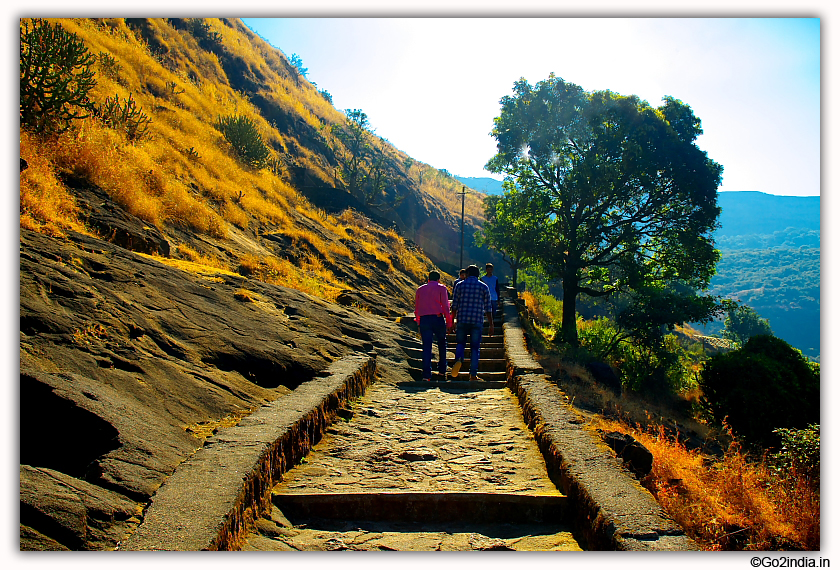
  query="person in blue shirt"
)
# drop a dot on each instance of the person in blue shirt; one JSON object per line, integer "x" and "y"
{"x": 470, "y": 305}
{"x": 462, "y": 274}
{"x": 492, "y": 283}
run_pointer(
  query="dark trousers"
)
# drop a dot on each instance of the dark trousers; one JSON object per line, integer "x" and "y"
{"x": 473, "y": 332}
{"x": 433, "y": 327}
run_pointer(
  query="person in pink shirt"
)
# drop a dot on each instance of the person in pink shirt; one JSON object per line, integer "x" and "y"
{"x": 431, "y": 311}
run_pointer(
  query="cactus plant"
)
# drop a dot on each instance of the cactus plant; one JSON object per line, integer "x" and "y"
{"x": 55, "y": 77}
{"x": 124, "y": 116}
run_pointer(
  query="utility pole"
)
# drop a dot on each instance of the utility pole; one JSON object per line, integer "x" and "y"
{"x": 462, "y": 193}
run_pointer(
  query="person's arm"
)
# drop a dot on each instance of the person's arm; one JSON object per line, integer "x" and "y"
{"x": 456, "y": 299}
{"x": 416, "y": 302}
{"x": 444, "y": 303}
{"x": 488, "y": 313}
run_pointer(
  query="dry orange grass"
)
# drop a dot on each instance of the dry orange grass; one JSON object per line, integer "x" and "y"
{"x": 728, "y": 504}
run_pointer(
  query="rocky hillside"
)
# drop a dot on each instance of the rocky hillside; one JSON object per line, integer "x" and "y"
{"x": 166, "y": 288}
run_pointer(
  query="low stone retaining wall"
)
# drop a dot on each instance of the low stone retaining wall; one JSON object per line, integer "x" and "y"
{"x": 610, "y": 509}
{"x": 210, "y": 500}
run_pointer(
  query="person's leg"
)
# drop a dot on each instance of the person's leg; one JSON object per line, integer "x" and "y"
{"x": 440, "y": 333}
{"x": 426, "y": 334}
{"x": 475, "y": 344}
{"x": 460, "y": 344}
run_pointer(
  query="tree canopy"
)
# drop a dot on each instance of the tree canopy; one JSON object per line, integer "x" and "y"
{"x": 622, "y": 197}
{"x": 511, "y": 227}
{"x": 363, "y": 165}
{"x": 743, "y": 323}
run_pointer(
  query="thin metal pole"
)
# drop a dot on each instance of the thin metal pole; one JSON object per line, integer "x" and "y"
{"x": 463, "y": 194}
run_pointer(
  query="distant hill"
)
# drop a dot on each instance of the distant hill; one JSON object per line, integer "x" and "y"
{"x": 486, "y": 185}
{"x": 770, "y": 260}
{"x": 746, "y": 213}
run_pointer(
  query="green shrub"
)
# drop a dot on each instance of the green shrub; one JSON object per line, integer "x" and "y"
{"x": 202, "y": 32}
{"x": 799, "y": 452}
{"x": 125, "y": 117}
{"x": 599, "y": 336}
{"x": 55, "y": 77}
{"x": 764, "y": 385}
{"x": 242, "y": 134}
{"x": 326, "y": 95}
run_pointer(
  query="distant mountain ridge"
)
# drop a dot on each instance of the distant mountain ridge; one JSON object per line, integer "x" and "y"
{"x": 758, "y": 213}
{"x": 485, "y": 185}
{"x": 743, "y": 213}
{"x": 770, "y": 260}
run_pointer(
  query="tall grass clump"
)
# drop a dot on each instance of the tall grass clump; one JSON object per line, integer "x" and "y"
{"x": 125, "y": 117}
{"x": 45, "y": 204}
{"x": 730, "y": 503}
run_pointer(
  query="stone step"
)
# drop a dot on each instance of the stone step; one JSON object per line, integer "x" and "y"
{"x": 496, "y": 339}
{"x": 483, "y": 376}
{"x": 484, "y": 364}
{"x": 450, "y": 384}
{"x": 434, "y": 507}
{"x": 487, "y": 351}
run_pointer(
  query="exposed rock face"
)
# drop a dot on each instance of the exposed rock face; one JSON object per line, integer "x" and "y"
{"x": 76, "y": 514}
{"x": 119, "y": 353}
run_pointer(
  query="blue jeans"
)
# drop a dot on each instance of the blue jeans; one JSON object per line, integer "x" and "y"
{"x": 433, "y": 327}
{"x": 473, "y": 331}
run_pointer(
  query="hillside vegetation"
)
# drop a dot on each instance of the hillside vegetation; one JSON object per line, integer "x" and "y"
{"x": 770, "y": 260}
{"x": 180, "y": 175}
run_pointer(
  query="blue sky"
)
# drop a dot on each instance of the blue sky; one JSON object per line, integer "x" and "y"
{"x": 432, "y": 86}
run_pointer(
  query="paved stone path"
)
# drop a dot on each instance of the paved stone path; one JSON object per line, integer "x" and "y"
{"x": 439, "y": 439}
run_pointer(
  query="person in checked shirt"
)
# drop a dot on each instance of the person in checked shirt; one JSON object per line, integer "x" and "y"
{"x": 431, "y": 311}
{"x": 470, "y": 304}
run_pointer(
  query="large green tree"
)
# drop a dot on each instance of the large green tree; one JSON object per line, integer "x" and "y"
{"x": 627, "y": 198}
{"x": 511, "y": 227}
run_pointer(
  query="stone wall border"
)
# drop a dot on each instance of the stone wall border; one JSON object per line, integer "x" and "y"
{"x": 610, "y": 509}
{"x": 209, "y": 502}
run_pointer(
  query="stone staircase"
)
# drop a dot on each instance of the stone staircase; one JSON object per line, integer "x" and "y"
{"x": 418, "y": 465}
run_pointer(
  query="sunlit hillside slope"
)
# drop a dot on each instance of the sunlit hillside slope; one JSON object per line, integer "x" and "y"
{"x": 287, "y": 221}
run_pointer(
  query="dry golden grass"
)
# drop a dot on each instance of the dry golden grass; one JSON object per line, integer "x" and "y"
{"x": 187, "y": 253}
{"x": 728, "y": 504}
{"x": 204, "y": 266}
{"x": 309, "y": 277}
{"x": 45, "y": 203}
{"x": 183, "y": 175}
{"x": 445, "y": 191}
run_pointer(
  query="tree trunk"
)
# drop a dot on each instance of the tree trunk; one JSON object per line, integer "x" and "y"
{"x": 568, "y": 327}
